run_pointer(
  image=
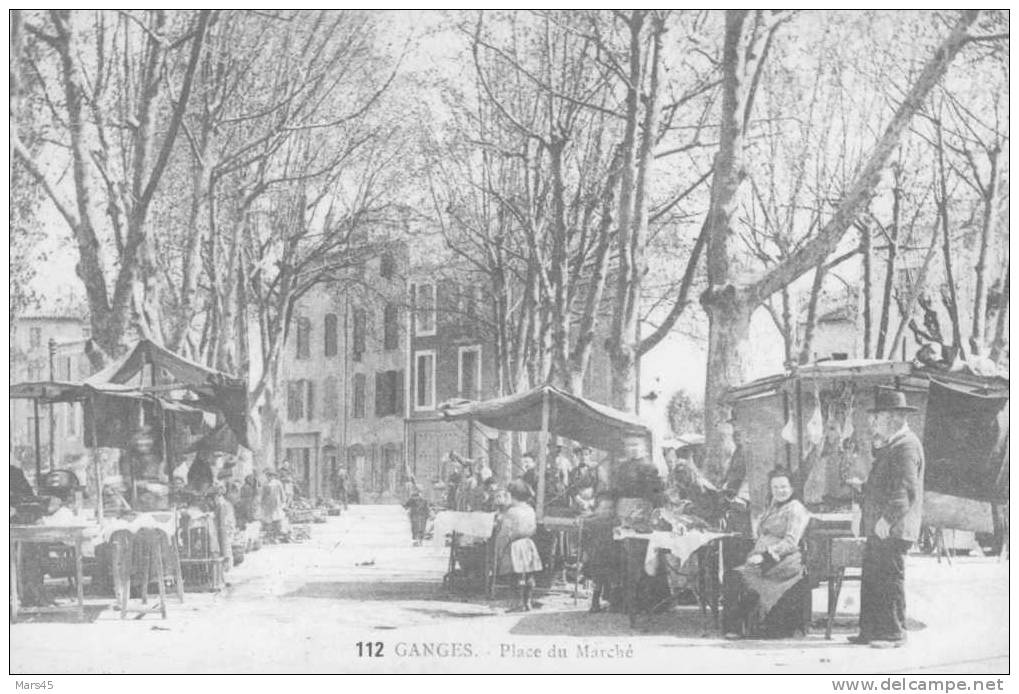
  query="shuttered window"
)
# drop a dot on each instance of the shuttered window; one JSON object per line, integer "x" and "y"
{"x": 391, "y": 327}
{"x": 303, "y": 338}
{"x": 330, "y": 335}
{"x": 360, "y": 385}
{"x": 360, "y": 333}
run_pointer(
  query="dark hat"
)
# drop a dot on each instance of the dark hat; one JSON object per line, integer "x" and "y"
{"x": 889, "y": 400}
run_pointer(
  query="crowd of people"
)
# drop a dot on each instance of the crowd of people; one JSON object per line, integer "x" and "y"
{"x": 629, "y": 490}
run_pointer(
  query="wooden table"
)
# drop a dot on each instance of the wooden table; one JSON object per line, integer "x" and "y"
{"x": 72, "y": 535}
{"x": 845, "y": 553}
{"x": 711, "y": 565}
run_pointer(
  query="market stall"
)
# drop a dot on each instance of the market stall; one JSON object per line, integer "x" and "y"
{"x": 549, "y": 411}
{"x": 814, "y": 420}
{"x": 146, "y": 408}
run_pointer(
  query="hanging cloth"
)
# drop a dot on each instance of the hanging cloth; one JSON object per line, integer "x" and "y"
{"x": 815, "y": 425}
{"x": 789, "y": 430}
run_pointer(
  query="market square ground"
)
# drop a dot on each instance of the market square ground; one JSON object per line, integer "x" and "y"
{"x": 304, "y": 608}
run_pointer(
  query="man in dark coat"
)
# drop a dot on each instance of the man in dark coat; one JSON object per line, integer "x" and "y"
{"x": 892, "y": 512}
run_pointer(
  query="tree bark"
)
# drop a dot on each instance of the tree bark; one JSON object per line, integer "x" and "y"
{"x": 978, "y": 331}
{"x": 1000, "y": 340}
{"x": 915, "y": 289}
{"x": 868, "y": 259}
{"x": 952, "y": 304}
{"x": 729, "y": 352}
{"x": 889, "y": 285}
{"x": 808, "y": 330}
{"x": 623, "y": 335}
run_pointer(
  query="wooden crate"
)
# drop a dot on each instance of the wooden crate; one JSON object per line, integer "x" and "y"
{"x": 204, "y": 575}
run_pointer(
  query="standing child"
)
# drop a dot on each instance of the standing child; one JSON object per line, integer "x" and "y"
{"x": 417, "y": 509}
{"x": 515, "y": 551}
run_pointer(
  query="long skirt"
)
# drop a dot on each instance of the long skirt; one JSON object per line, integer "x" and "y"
{"x": 752, "y": 592}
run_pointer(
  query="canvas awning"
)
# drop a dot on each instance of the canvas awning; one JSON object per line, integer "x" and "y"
{"x": 63, "y": 391}
{"x": 216, "y": 390}
{"x": 572, "y": 417}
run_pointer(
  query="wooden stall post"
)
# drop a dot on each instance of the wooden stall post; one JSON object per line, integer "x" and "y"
{"x": 38, "y": 446}
{"x": 799, "y": 429}
{"x": 542, "y": 455}
{"x": 91, "y": 440}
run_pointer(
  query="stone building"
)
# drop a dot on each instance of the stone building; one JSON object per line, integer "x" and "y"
{"x": 48, "y": 347}
{"x": 343, "y": 380}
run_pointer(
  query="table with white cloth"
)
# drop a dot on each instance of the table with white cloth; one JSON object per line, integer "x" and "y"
{"x": 470, "y": 545}
{"x": 645, "y": 550}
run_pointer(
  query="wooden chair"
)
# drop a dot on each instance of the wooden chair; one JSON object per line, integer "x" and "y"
{"x": 141, "y": 558}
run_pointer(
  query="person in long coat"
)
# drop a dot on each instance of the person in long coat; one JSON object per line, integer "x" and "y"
{"x": 892, "y": 513}
{"x": 774, "y": 565}
{"x": 273, "y": 504}
{"x": 515, "y": 551}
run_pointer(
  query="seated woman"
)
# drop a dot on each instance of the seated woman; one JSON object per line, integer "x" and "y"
{"x": 515, "y": 551}
{"x": 773, "y": 567}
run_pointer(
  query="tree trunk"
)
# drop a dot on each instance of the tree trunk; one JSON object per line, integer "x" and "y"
{"x": 808, "y": 330}
{"x": 978, "y": 331}
{"x": 729, "y": 307}
{"x": 886, "y": 295}
{"x": 1001, "y": 325}
{"x": 622, "y": 355}
{"x": 946, "y": 245}
{"x": 868, "y": 259}
{"x": 729, "y": 352}
{"x": 915, "y": 289}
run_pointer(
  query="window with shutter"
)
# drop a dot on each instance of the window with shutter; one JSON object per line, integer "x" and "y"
{"x": 391, "y": 327}
{"x": 469, "y": 376}
{"x": 310, "y": 408}
{"x": 359, "y": 336}
{"x": 424, "y": 309}
{"x": 330, "y": 335}
{"x": 387, "y": 266}
{"x": 424, "y": 375}
{"x": 359, "y": 396}
{"x": 381, "y": 393}
{"x": 295, "y": 401}
{"x": 303, "y": 338}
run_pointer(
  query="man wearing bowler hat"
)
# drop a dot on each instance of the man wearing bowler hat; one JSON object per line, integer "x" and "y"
{"x": 892, "y": 510}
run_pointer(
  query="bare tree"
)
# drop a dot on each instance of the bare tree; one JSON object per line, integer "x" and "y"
{"x": 731, "y": 297}
{"x": 119, "y": 131}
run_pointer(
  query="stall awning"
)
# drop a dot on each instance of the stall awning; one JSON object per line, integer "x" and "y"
{"x": 906, "y": 374}
{"x": 216, "y": 390}
{"x": 573, "y": 417}
{"x": 63, "y": 391}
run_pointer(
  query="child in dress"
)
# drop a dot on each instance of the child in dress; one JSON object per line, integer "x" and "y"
{"x": 515, "y": 551}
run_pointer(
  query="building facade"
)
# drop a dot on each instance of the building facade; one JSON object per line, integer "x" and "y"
{"x": 343, "y": 376}
{"x": 450, "y": 356}
{"x": 47, "y": 347}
